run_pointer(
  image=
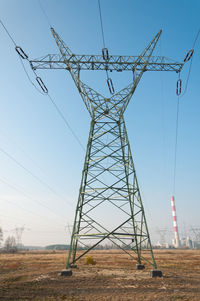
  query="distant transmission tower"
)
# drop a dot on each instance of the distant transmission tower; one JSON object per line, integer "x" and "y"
{"x": 18, "y": 234}
{"x": 109, "y": 205}
{"x": 162, "y": 233}
{"x": 196, "y": 233}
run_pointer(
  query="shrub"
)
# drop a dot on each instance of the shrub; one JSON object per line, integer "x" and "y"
{"x": 90, "y": 260}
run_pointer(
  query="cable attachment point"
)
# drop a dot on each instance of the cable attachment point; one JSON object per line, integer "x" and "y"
{"x": 41, "y": 84}
{"x": 105, "y": 54}
{"x": 178, "y": 86}
{"x": 21, "y": 53}
{"x": 110, "y": 86}
{"x": 189, "y": 55}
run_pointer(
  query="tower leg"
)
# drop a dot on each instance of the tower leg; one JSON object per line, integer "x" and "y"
{"x": 140, "y": 227}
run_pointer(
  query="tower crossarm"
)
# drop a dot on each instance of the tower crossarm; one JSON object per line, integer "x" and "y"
{"x": 97, "y": 104}
{"x": 116, "y": 63}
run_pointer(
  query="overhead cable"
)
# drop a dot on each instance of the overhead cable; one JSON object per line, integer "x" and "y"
{"x": 102, "y": 31}
{"x": 30, "y": 198}
{"x": 22, "y": 208}
{"x": 176, "y": 143}
{"x": 105, "y": 54}
{"x": 30, "y": 172}
{"x": 65, "y": 121}
{"x": 45, "y": 14}
{"x": 189, "y": 56}
{"x": 11, "y": 38}
{"x": 42, "y": 86}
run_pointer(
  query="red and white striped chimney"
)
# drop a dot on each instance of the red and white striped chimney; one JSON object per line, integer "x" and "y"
{"x": 176, "y": 235}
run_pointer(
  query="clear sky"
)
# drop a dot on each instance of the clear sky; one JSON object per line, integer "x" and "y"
{"x": 42, "y": 196}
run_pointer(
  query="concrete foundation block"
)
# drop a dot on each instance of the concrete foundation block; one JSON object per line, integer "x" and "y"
{"x": 156, "y": 273}
{"x": 67, "y": 272}
{"x": 73, "y": 266}
{"x": 140, "y": 266}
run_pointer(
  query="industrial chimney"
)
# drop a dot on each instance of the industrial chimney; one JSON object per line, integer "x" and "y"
{"x": 176, "y": 235}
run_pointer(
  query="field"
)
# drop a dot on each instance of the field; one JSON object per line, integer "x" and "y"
{"x": 36, "y": 276}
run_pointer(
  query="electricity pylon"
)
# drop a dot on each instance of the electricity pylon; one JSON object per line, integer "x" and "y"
{"x": 109, "y": 204}
{"x": 162, "y": 233}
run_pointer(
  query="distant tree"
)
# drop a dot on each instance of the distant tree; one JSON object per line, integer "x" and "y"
{"x": 1, "y": 236}
{"x": 57, "y": 247}
{"x": 10, "y": 244}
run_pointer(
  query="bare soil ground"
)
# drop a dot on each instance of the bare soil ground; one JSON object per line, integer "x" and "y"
{"x": 36, "y": 276}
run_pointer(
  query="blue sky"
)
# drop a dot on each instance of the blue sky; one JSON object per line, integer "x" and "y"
{"x": 32, "y": 132}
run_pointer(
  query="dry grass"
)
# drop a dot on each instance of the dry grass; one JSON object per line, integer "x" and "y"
{"x": 36, "y": 276}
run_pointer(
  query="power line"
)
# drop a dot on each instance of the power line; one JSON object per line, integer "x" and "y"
{"x": 11, "y": 218}
{"x": 25, "y": 209}
{"x": 176, "y": 143}
{"x": 29, "y": 197}
{"x": 65, "y": 121}
{"x": 190, "y": 67}
{"x": 105, "y": 54}
{"x": 196, "y": 38}
{"x": 162, "y": 116}
{"x": 102, "y": 31}
{"x": 6, "y": 135}
{"x": 58, "y": 111}
{"x": 51, "y": 99}
{"x": 177, "y": 111}
{"x": 190, "y": 53}
{"x": 30, "y": 172}
{"x": 45, "y": 14}
{"x": 55, "y": 106}
{"x": 22, "y": 208}
{"x": 11, "y": 38}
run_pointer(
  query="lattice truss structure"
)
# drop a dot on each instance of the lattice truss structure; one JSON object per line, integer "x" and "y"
{"x": 109, "y": 205}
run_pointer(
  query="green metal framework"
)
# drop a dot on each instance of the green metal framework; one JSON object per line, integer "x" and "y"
{"x": 109, "y": 206}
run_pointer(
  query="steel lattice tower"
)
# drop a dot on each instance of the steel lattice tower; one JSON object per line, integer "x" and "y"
{"x": 109, "y": 204}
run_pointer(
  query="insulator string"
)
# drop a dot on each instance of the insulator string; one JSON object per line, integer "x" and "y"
{"x": 105, "y": 54}
{"x": 190, "y": 67}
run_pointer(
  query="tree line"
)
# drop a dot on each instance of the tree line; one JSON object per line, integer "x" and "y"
{"x": 10, "y": 244}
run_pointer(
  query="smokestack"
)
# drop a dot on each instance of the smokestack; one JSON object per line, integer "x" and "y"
{"x": 176, "y": 235}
